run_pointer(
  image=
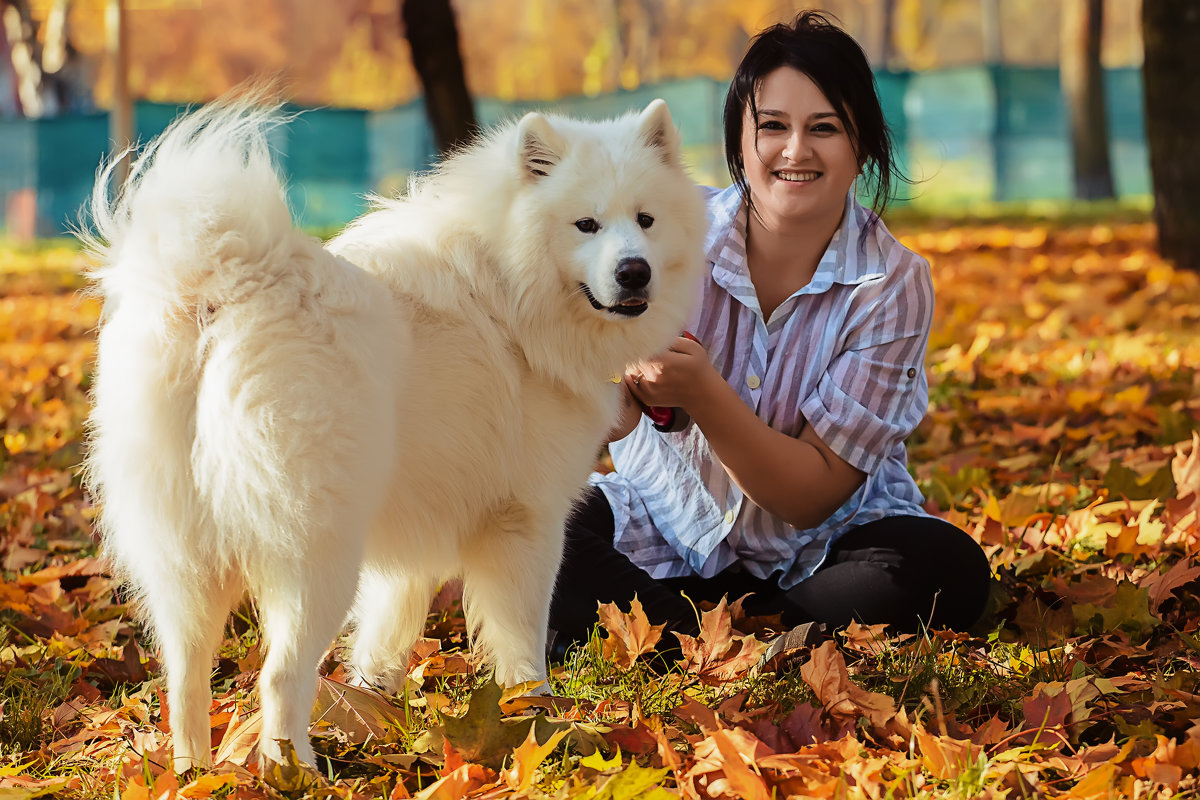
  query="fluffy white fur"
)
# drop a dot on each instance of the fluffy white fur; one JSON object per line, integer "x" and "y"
{"x": 336, "y": 430}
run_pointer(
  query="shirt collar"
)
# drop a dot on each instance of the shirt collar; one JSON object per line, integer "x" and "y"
{"x": 724, "y": 208}
{"x": 853, "y": 254}
{"x": 849, "y": 258}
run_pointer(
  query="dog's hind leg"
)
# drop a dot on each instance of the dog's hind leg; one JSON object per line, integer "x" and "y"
{"x": 188, "y": 614}
{"x": 301, "y": 611}
{"x": 389, "y": 614}
{"x": 508, "y": 578}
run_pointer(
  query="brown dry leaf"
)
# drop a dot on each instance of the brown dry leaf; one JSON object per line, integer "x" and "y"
{"x": 990, "y": 732}
{"x": 361, "y": 714}
{"x": 629, "y": 635}
{"x": 716, "y": 655}
{"x": 826, "y": 674}
{"x": 1054, "y": 711}
{"x": 239, "y": 744}
{"x": 804, "y": 726}
{"x": 864, "y": 638}
{"x": 1160, "y": 585}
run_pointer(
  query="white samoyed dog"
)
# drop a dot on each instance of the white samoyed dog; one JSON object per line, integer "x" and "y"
{"x": 337, "y": 429}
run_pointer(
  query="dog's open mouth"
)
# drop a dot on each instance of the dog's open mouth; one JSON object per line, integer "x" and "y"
{"x": 630, "y": 306}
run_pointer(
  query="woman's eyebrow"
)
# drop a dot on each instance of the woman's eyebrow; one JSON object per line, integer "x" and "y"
{"x": 772, "y": 112}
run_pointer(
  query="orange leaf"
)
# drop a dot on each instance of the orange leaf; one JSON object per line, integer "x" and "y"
{"x": 945, "y": 757}
{"x": 725, "y": 766}
{"x": 746, "y": 782}
{"x": 529, "y": 756}
{"x": 1125, "y": 542}
{"x": 459, "y": 783}
{"x": 209, "y": 784}
{"x": 629, "y": 635}
{"x": 1097, "y": 784}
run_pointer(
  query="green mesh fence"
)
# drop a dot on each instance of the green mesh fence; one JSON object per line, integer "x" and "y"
{"x": 965, "y": 135}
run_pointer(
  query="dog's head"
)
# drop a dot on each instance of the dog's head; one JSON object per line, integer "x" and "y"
{"x": 610, "y": 206}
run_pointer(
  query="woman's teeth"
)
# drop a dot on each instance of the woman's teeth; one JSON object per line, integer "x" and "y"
{"x": 798, "y": 177}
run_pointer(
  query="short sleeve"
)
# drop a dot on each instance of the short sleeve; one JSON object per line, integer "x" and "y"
{"x": 864, "y": 406}
{"x": 874, "y": 392}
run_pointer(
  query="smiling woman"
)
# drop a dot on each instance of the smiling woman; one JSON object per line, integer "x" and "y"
{"x": 803, "y": 380}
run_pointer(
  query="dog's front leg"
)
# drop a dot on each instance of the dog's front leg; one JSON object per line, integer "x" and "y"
{"x": 508, "y": 579}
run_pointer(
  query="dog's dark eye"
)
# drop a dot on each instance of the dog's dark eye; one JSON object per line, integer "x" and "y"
{"x": 587, "y": 225}
{"x": 645, "y": 220}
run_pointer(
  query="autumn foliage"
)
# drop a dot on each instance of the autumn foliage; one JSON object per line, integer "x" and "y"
{"x": 1062, "y": 434}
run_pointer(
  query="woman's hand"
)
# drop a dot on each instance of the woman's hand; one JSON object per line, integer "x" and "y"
{"x": 800, "y": 480}
{"x": 675, "y": 378}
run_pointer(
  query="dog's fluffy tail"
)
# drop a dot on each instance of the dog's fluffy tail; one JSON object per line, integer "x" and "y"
{"x": 201, "y": 200}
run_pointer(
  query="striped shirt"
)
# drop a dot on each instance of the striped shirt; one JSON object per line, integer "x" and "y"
{"x": 845, "y": 354}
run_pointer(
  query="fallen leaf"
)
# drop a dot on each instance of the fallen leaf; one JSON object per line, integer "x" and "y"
{"x": 629, "y": 635}
{"x": 1160, "y": 585}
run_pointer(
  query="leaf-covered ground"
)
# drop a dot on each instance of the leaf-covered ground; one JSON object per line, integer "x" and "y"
{"x": 1061, "y": 434}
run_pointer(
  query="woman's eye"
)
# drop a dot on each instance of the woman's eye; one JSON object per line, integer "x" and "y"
{"x": 825, "y": 127}
{"x": 645, "y": 220}
{"x": 771, "y": 125}
{"x": 587, "y": 225}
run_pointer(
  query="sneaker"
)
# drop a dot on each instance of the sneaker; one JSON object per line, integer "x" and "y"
{"x": 791, "y": 649}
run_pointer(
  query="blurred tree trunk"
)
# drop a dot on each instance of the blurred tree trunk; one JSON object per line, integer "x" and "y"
{"x": 26, "y": 54}
{"x": 993, "y": 33}
{"x": 1083, "y": 87}
{"x": 1171, "y": 74}
{"x": 46, "y": 66}
{"x": 887, "y": 37}
{"x": 433, "y": 37}
{"x": 120, "y": 116}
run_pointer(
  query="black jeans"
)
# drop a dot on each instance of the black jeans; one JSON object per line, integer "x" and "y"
{"x": 905, "y": 571}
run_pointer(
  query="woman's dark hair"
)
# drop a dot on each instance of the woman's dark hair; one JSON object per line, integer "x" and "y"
{"x": 829, "y": 56}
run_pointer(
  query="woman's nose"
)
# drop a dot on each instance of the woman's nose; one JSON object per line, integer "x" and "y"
{"x": 796, "y": 147}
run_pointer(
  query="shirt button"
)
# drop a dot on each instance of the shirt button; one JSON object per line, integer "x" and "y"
{"x": 912, "y": 372}
{"x": 753, "y": 382}
{"x": 729, "y": 517}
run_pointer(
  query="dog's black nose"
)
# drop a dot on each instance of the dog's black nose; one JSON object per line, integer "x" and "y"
{"x": 633, "y": 273}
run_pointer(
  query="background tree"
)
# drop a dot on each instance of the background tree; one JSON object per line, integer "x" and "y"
{"x": 433, "y": 37}
{"x": 43, "y": 65}
{"x": 1171, "y": 30}
{"x": 1083, "y": 87}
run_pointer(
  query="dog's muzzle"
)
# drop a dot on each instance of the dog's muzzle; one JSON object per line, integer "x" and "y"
{"x": 632, "y": 276}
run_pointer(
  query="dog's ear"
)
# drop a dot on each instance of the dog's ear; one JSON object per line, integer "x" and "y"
{"x": 539, "y": 146}
{"x": 657, "y": 130}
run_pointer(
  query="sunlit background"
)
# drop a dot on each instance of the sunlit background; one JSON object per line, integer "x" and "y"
{"x": 972, "y": 88}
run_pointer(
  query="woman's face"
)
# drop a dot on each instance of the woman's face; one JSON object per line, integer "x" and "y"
{"x": 803, "y": 161}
